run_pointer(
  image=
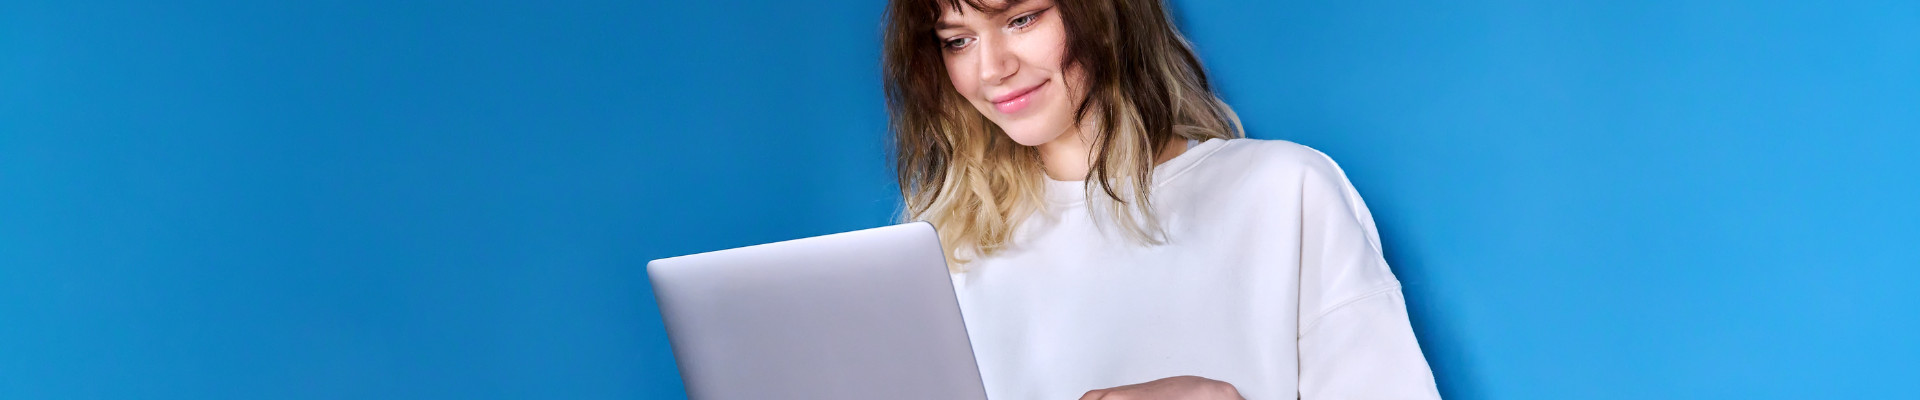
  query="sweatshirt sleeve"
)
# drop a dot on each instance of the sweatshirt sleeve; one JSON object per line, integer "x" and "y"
{"x": 1355, "y": 341}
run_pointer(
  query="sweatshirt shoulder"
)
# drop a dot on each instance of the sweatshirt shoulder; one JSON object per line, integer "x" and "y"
{"x": 1278, "y": 157}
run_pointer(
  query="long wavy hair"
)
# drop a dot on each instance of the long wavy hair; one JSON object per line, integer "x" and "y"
{"x": 958, "y": 170}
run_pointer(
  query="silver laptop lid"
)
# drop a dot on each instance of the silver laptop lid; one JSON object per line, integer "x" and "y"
{"x": 867, "y": 314}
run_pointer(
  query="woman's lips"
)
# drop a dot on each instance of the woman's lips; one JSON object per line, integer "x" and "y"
{"x": 1019, "y": 100}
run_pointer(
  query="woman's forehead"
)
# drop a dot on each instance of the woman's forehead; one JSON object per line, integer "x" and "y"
{"x": 955, "y": 9}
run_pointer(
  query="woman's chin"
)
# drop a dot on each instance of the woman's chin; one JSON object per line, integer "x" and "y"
{"x": 1027, "y": 137}
{"x": 1027, "y": 140}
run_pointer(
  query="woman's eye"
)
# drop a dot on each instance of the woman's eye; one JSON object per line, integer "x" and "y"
{"x": 957, "y": 43}
{"x": 1023, "y": 20}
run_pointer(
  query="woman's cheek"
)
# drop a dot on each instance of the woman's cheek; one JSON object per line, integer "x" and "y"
{"x": 957, "y": 68}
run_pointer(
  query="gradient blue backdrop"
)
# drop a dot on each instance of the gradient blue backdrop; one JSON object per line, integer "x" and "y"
{"x": 454, "y": 199}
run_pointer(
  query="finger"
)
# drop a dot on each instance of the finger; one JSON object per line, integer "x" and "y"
{"x": 1094, "y": 394}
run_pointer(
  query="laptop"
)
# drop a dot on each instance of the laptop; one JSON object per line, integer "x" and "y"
{"x": 868, "y": 314}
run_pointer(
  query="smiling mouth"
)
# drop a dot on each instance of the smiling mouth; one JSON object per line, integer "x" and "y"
{"x": 1014, "y": 102}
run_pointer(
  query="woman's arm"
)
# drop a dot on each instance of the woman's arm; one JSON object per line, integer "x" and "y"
{"x": 1355, "y": 341}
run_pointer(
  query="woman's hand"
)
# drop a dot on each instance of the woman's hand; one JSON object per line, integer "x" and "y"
{"x": 1179, "y": 387}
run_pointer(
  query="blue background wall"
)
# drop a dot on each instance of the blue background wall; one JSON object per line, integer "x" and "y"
{"x": 452, "y": 199}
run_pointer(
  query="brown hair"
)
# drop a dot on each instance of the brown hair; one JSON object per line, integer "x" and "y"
{"x": 959, "y": 171}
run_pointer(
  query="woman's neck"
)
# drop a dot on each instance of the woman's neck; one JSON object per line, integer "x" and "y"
{"x": 1070, "y": 157}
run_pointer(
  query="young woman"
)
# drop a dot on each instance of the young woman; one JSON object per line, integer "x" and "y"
{"x": 1111, "y": 234}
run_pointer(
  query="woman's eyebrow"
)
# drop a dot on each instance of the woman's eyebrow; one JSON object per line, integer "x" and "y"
{"x": 994, "y": 12}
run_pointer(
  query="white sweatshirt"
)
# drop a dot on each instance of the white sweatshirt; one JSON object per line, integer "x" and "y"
{"x": 1272, "y": 280}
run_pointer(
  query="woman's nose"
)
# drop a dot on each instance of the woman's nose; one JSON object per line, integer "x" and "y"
{"x": 997, "y": 62}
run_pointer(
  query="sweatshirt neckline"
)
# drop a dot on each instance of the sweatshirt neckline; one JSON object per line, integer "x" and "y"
{"x": 1074, "y": 192}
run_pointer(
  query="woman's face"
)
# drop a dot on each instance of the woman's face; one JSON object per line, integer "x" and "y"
{"x": 1009, "y": 66}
